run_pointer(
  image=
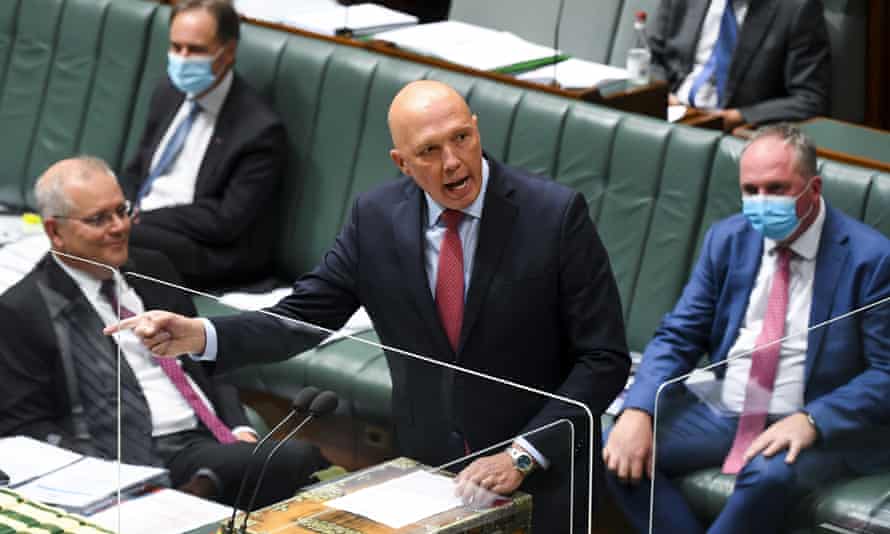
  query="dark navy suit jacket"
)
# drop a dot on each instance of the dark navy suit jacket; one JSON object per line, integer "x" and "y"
{"x": 542, "y": 310}
{"x": 847, "y": 376}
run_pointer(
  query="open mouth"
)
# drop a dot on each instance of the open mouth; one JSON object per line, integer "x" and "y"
{"x": 458, "y": 185}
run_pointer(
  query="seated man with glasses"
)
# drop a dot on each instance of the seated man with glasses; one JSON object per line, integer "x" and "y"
{"x": 58, "y": 371}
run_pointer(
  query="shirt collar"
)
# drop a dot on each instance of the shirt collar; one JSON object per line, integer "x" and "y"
{"x": 807, "y": 244}
{"x": 89, "y": 285}
{"x": 434, "y": 209}
{"x": 212, "y": 101}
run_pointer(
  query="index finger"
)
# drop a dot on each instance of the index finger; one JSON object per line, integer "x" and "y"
{"x": 126, "y": 324}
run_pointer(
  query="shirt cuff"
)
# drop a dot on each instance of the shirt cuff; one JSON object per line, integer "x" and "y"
{"x": 210, "y": 344}
{"x": 244, "y": 428}
{"x": 542, "y": 461}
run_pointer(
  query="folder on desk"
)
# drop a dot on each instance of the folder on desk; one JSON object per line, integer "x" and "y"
{"x": 473, "y": 46}
{"x": 358, "y": 20}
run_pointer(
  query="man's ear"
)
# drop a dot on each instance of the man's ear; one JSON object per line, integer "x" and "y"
{"x": 398, "y": 160}
{"x": 51, "y": 228}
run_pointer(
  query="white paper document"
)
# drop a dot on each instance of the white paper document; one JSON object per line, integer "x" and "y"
{"x": 361, "y": 19}
{"x": 467, "y": 44}
{"x": 87, "y": 482}
{"x": 676, "y": 112}
{"x": 164, "y": 511}
{"x": 24, "y": 458}
{"x": 402, "y": 501}
{"x": 575, "y": 74}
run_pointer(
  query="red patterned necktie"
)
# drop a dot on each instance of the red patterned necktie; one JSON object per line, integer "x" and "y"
{"x": 764, "y": 364}
{"x": 450, "y": 278}
{"x": 176, "y": 375}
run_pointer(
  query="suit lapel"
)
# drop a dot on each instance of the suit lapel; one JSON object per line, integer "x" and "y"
{"x": 830, "y": 263}
{"x": 696, "y": 11}
{"x": 408, "y": 223}
{"x": 741, "y": 281}
{"x": 66, "y": 303}
{"x": 222, "y": 132}
{"x": 498, "y": 215}
{"x": 757, "y": 22}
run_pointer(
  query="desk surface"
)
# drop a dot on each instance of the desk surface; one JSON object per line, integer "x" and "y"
{"x": 306, "y": 513}
{"x": 850, "y": 143}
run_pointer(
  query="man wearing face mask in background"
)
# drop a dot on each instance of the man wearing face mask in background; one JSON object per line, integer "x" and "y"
{"x": 211, "y": 154}
{"x": 797, "y": 414}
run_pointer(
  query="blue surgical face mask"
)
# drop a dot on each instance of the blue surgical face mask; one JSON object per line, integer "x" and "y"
{"x": 774, "y": 216}
{"x": 193, "y": 74}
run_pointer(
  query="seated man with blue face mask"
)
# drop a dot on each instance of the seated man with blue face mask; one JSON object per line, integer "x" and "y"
{"x": 211, "y": 152}
{"x": 791, "y": 415}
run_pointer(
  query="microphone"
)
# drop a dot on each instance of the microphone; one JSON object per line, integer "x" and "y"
{"x": 325, "y": 403}
{"x": 302, "y": 403}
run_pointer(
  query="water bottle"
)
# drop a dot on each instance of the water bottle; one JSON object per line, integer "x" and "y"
{"x": 639, "y": 57}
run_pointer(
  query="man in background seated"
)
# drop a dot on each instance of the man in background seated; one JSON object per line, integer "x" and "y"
{"x": 58, "y": 372}
{"x": 750, "y": 61}
{"x": 208, "y": 167}
{"x": 795, "y": 414}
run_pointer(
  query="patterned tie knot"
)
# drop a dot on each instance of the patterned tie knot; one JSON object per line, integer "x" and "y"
{"x": 109, "y": 291}
{"x": 452, "y": 218}
{"x": 783, "y": 257}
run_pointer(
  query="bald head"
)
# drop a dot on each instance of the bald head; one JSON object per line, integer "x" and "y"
{"x": 436, "y": 142}
{"x": 414, "y": 101}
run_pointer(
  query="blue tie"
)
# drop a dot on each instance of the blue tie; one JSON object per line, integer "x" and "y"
{"x": 171, "y": 151}
{"x": 718, "y": 64}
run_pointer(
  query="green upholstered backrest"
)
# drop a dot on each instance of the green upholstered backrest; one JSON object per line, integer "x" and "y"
{"x": 77, "y": 75}
{"x": 70, "y": 69}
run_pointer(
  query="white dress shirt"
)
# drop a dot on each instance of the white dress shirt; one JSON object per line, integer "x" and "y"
{"x": 706, "y": 97}
{"x": 177, "y": 187}
{"x": 789, "y": 385}
{"x": 170, "y": 413}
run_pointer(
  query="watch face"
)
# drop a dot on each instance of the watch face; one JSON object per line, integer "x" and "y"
{"x": 523, "y": 462}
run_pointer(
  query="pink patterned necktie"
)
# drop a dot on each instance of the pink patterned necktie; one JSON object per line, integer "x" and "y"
{"x": 764, "y": 364}
{"x": 450, "y": 278}
{"x": 176, "y": 375}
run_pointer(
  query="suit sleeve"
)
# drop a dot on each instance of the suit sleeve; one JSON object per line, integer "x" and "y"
{"x": 321, "y": 302}
{"x": 862, "y": 402}
{"x": 251, "y": 185}
{"x": 683, "y": 336}
{"x": 658, "y": 42}
{"x": 30, "y": 404}
{"x": 590, "y": 310}
{"x": 807, "y": 72}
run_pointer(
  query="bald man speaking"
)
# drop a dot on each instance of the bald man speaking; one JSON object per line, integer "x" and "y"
{"x": 471, "y": 262}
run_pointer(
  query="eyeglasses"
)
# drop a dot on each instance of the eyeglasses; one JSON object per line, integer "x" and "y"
{"x": 104, "y": 218}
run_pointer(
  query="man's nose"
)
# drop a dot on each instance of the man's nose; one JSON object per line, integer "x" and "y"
{"x": 451, "y": 161}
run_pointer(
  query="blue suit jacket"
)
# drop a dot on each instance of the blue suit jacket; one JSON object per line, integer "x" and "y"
{"x": 847, "y": 377}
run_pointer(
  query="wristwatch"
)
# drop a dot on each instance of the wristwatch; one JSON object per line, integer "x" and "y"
{"x": 522, "y": 461}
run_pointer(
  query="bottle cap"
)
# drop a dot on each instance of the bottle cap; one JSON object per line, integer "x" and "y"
{"x": 640, "y": 16}
{"x": 31, "y": 218}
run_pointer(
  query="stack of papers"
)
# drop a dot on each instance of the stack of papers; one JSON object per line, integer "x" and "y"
{"x": 402, "y": 501}
{"x": 90, "y": 484}
{"x": 575, "y": 74}
{"x": 472, "y": 46}
{"x": 24, "y": 458}
{"x": 326, "y": 16}
{"x": 164, "y": 511}
{"x": 361, "y": 19}
{"x": 56, "y": 476}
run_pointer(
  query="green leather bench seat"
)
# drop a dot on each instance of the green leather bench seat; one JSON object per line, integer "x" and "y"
{"x": 76, "y": 76}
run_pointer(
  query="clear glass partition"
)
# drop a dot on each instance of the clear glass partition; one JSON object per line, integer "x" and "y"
{"x": 352, "y": 451}
{"x": 701, "y": 418}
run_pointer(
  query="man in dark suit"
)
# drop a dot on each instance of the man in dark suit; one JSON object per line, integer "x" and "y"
{"x": 212, "y": 152}
{"x": 751, "y": 61}
{"x": 470, "y": 262}
{"x": 792, "y": 411}
{"x": 59, "y": 373}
